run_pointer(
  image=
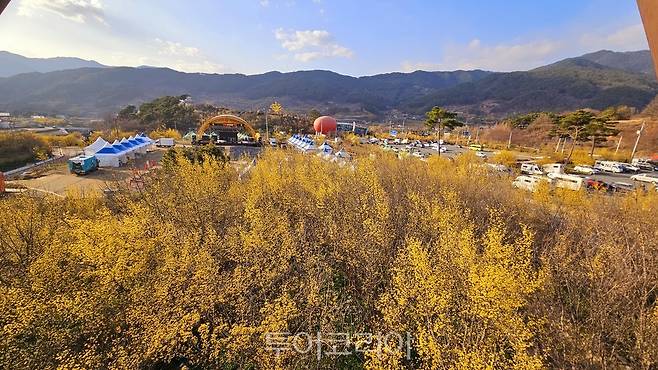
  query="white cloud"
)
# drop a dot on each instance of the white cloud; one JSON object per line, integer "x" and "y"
{"x": 180, "y": 57}
{"x": 176, "y": 49}
{"x": 81, "y": 11}
{"x": 625, "y": 39}
{"x": 501, "y": 57}
{"x": 311, "y": 45}
{"x": 531, "y": 54}
{"x": 264, "y": 3}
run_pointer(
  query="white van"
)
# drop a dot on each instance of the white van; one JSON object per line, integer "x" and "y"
{"x": 531, "y": 169}
{"x": 563, "y": 181}
{"x": 609, "y": 166}
{"x": 553, "y": 168}
{"x": 529, "y": 183}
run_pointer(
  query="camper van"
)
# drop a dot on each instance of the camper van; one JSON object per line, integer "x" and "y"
{"x": 609, "y": 166}
{"x": 564, "y": 181}
{"x": 553, "y": 168}
{"x": 531, "y": 169}
{"x": 529, "y": 183}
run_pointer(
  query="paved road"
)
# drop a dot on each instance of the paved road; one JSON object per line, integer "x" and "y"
{"x": 612, "y": 178}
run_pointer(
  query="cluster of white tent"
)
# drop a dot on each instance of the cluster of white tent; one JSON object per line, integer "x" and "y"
{"x": 302, "y": 142}
{"x": 119, "y": 152}
{"x": 307, "y": 144}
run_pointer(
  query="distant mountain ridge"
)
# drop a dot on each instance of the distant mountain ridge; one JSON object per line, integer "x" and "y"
{"x": 12, "y": 64}
{"x": 630, "y": 61}
{"x": 594, "y": 80}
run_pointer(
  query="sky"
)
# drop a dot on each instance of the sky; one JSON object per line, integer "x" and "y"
{"x": 353, "y": 37}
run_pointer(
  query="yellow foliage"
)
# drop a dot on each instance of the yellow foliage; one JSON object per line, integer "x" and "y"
{"x": 505, "y": 157}
{"x": 202, "y": 266}
{"x": 73, "y": 139}
{"x": 169, "y": 132}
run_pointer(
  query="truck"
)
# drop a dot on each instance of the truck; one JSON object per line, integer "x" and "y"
{"x": 165, "y": 142}
{"x": 83, "y": 164}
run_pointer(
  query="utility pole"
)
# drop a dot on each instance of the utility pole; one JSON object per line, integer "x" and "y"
{"x": 619, "y": 143}
{"x": 637, "y": 141}
{"x": 509, "y": 141}
{"x": 267, "y": 129}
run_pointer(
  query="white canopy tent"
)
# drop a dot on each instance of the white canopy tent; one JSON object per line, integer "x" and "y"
{"x": 131, "y": 147}
{"x": 95, "y": 146}
{"x": 124, "y": 149}
{"x": 326, "y": 148}
{"x": 146, "y": 142}
{"x": 109, "y": 156}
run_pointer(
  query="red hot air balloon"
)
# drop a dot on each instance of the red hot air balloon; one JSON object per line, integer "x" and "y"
{"x": 324, "y": 124}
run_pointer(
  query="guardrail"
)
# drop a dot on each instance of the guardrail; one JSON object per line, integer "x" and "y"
{"x": 9, "y": 174}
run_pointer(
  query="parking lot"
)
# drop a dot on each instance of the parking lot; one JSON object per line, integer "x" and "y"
{"x": 451, "y": 150}
{"x": 454, "y": 150}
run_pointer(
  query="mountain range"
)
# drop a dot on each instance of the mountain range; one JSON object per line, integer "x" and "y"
{"x": 12, "y": 64}
{"x": 596, "y": 80}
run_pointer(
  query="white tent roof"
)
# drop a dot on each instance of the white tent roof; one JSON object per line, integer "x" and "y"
{"x": 95, "y": 146}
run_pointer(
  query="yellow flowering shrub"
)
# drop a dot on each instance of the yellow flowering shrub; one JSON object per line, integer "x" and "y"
{"x": 203, "y": 267}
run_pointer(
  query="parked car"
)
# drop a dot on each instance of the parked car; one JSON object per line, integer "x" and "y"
{"x": 531, "y": 169}
{"x": 586, "y": 170}
{"x": 596, "y": 184}
{"x": 643, "y": 164}
{"x": 645, "y": 177}
{"x": 630, "y": 168}
{"x": 273, "y": 142}
{"x": 481, "y": 154}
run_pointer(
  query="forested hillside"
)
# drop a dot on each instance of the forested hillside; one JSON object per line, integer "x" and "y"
{"x": 595, "y": 80}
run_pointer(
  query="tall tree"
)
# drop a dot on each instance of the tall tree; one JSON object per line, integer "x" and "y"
{"x": 439, "y": 118}
{"x": 574, "y": 126}
{"x": 598, "y": 130}
{"x": 128, "y": 113}
{"x": 168, "y": 112}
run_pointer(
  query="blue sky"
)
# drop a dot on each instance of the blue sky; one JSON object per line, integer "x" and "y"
{"x": 357, "y": 37}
